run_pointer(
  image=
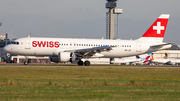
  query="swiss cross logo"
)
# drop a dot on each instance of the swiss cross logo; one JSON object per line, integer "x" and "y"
{"x": 158, "y": 27}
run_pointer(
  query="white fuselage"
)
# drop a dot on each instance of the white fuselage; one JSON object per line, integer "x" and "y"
{"x": 52, "y": 46}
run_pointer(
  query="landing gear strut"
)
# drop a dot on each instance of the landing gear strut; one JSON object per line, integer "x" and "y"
{"x": 26, "y": 62}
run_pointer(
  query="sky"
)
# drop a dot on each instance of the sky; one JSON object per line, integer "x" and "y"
{"x": 85, "y": 18}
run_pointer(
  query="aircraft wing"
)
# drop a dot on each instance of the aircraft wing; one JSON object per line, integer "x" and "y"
{"x": 89, "y": 52}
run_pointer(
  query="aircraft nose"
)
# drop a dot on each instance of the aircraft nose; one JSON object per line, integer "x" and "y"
{"x": 6, "y": 49}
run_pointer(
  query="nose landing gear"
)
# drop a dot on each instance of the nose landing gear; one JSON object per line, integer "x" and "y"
{"x": 26, "y": 61}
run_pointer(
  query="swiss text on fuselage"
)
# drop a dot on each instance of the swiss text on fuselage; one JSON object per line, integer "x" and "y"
{"x": 50, "y": 44}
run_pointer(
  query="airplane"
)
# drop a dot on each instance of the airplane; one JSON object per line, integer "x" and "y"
{"x": 175, "y": 61}
{"x": 127, "y": 61}
{"x": 157, "y": 61}
{"x": 131, "y": 61}
{"x": 163, "y": 61}
{"x": 71, "y": 49}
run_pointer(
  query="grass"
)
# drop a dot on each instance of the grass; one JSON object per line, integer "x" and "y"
{"x": 89, "y": 83}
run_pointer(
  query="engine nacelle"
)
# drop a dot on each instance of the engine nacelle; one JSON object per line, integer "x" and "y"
{"x": 63, "y": 57}
{"x": 73, "y": 57}
{"x": 66, "y": 57}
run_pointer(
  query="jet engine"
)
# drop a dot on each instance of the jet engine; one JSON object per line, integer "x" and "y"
{"x": 63, "y": 57}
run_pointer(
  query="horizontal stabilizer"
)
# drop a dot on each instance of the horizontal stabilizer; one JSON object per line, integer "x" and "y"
{"x": 160, "y": 45}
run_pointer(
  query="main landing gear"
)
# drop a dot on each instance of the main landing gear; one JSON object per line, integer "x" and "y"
{"x": 86, "y": 63}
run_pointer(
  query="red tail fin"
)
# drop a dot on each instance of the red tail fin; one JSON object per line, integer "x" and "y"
{"x": 147, "y": 58}
{"x": 157, "y": 29}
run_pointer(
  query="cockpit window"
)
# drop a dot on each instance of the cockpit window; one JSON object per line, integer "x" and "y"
{"x": 16, "y": 43}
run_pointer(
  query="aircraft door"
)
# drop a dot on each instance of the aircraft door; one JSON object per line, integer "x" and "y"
{"x": 27, "y": 44}
{"x": 138, "y": 46}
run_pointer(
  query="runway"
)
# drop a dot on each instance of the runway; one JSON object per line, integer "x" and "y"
{"x": 98, "y": 66}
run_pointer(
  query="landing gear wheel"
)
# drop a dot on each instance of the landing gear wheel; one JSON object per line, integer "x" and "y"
{"x": 80, "y": 63}
{"x": 86, "y": 63}
{"x": 25, "y": 63}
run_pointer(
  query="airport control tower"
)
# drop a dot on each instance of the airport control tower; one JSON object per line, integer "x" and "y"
{"x": 111, "y": 5}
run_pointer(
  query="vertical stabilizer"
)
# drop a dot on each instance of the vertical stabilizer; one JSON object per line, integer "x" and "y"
{"x": 157, "y": 30}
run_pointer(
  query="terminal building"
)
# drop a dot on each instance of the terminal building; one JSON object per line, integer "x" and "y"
{"x": 3, "y": 42}
{"x": 173, "y": 52}
{"x": 5, "y": 57}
